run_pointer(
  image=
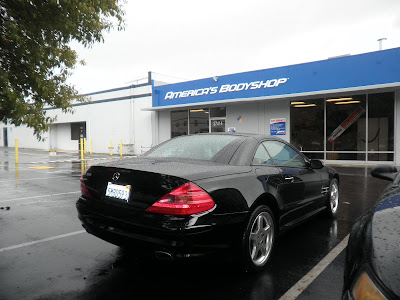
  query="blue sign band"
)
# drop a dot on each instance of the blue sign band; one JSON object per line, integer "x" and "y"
{"x": 375, "y": 68}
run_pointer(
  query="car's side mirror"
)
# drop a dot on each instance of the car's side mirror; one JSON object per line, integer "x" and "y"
{"x": 386, "y": 172}
{"x": 316, "y": 164}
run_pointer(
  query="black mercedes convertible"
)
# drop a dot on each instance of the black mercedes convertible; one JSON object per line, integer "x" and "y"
{"x": 202, "y": 194}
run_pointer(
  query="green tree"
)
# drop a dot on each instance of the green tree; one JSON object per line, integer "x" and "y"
{"x": 36, "y": 57}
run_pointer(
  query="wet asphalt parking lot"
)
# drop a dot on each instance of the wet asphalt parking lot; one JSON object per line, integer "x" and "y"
{"x": 46, "y": 254}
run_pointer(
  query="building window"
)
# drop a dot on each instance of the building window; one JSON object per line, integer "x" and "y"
{"x": 307, "y": 126}
{"x": 179, "y": 123}
{"x": 217, "y": 119}
{"x": 356, "y": 127}
{"x": 78, "y": 130}
{"x": 217, "y": 112}
{"x": 345, "y": 127}
{"x": 199, "y": 120}
{"x": 218, "y": 125}
{"x": 380, "y": 126}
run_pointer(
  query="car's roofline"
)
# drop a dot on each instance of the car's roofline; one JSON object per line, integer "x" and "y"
{"x": 257, "y": 136}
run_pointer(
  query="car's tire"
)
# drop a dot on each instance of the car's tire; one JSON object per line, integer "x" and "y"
{"x": 332, "y": 204}
{"x": 258, "y": 239}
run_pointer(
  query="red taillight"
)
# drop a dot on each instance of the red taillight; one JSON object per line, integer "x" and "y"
{"x": 85, "y": 192}
{"x": 187, "y": 199}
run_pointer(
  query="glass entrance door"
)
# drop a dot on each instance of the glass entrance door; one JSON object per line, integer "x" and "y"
{"x": 198, "y": 121}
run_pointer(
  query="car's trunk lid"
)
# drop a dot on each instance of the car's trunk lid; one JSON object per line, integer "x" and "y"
{"x": 149, "y": 179}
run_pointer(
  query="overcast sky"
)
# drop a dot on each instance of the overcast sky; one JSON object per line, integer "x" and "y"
{"x": 197, "y": 39}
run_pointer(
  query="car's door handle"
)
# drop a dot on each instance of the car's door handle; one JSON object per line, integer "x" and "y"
{"x": 289, "y": 178}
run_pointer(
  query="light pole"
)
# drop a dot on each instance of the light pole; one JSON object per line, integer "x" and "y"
{"x": 380, "y": 42}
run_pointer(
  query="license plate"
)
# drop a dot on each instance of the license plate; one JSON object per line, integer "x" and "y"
{"x": 118, "y": 191}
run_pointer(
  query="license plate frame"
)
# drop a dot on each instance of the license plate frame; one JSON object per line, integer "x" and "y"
{"x": 118, "y": 191}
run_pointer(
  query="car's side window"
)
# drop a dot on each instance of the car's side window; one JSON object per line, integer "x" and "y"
{"x": 284, "y": 155}
{"x": 262, "y": 157}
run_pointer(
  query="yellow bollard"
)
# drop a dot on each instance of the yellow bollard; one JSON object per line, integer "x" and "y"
{"x": 111, "y": 148}
{"x": 84, "y": 146}
{"x": 81, "y": 148}
{"x": 90, "y": 146}
{"x": 83, "y": 166}
{"x": 16, "y": 173}
{"x": 16, "y": 151}
{"x": 120, "y": 148}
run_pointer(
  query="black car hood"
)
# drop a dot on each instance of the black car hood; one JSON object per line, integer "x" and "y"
{"x": 188, "y": 169}
{"x": 386, "y": 242}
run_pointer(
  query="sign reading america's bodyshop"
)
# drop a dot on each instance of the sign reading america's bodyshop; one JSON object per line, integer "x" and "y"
{"x": 227, "y": 88}
{"x": 342, "y": 74}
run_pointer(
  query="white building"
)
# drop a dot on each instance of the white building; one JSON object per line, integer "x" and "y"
{"x": 110, "y": 116}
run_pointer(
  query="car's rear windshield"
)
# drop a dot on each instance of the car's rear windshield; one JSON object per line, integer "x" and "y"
{"x": 202, "y": 147}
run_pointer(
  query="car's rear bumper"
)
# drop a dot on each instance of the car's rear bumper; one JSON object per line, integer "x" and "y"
{"x": 179, "y": 237}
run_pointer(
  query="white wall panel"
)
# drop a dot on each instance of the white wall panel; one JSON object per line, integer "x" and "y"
{"x": 143, "y": 125}
{"x": 243, "y": 117}
{"x": 105, "y": 121}
{"x": 164, "y": 126}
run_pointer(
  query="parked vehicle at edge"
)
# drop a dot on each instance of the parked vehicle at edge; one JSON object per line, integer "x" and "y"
{"x": 372, "y": 269}
{"x": 202, "y": 194}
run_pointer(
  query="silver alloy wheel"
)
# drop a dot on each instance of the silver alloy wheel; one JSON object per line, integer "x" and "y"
{"x": 334, "y": 197}
{"x": 261, "y": 238}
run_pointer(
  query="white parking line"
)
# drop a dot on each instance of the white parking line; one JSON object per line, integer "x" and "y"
{"x": 40, "y": 196}
{"x": 59, "y": 203}
{"x": 28, "y": 179}
{"x": 77, "y": 160}
{"x": 303, "y": 283}
{"x": 52, "y": 238}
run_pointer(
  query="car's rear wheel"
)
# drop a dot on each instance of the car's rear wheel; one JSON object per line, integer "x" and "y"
{"x": 258, "y": 239}
{"x": 333, "y": 199}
